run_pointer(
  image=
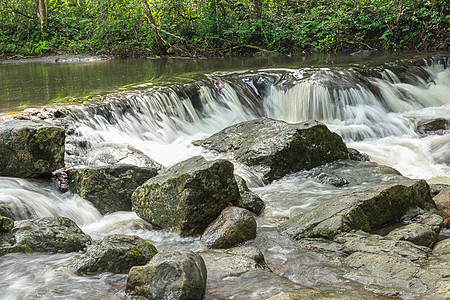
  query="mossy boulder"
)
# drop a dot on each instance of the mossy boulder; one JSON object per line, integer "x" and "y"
{"x": 108, "y": 188}
{"x": 115, "y": 253}
{"x": 249, "y": 200}
{"x": 170, "y": 275}
{"x": 365, "y": 209}
{"x": 51, "y": 234}
{"x": 233, "y": 226}
{"x": 30, "y": 149}
{"x": 223, "y": 263}
{"x": 187, "y": 197}
{"x": 275, "y": 148}
{"x": 6, "y": 224}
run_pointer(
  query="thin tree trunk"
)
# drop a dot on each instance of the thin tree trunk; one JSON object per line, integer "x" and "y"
{"x": 151, "y": 21}
{"x": 42, "y": 13}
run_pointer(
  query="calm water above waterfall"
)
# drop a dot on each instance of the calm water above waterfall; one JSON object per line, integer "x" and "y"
{"x": 160, "y": 107}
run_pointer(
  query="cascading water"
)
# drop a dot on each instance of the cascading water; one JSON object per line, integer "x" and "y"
{"x": 375, "y": 110}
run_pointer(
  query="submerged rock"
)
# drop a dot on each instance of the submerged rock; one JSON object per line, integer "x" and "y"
{"x": 442, "y": 201}
{"x": 276, "y": 148}
{"x": 171, "y": 275}
{"x": 108, "y": 188}
{"x": 30, "y": 149}
{"x": 435, "y": 126}
{"x": 365, "y": 208}
{"x": 187, "y": 197}
{"x": 233, "y": 262}
{"x": 234, "y": 225}
{"x": 115, "y": 253}
{"x": 354, "y": 154}
{"x": 51, "y": 234}
{"x": 249, "y": 200}
{"x": 332, "y": 179}
{"x": 6, "y": 224}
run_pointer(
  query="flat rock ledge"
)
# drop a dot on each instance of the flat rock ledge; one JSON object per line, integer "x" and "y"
{"x": 276, "y": 148}
{"x": 362, "y": 209}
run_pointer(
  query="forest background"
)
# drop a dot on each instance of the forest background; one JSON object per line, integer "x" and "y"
{"x": 138, "y": 28}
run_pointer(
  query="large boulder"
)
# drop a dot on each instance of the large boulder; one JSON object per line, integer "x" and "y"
{"x": 276, "y": 148}
{"x": 115, "y": 253}
{"x": 108, "y": 188}
{"x": 233, "y": 262}
{"x": 187, "y": 197}
{"x": 442, "y": 201}
{"x": 51, "y": 234}
{"x": 365, "y": 208}
{"x": 30, "y": 149}
{"x": 171, "y": 275}
{"x": 234, "y": 225}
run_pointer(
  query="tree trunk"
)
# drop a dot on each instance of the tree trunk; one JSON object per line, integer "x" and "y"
{"x": 151, "y": 21}
{"x": 42, "y": 13}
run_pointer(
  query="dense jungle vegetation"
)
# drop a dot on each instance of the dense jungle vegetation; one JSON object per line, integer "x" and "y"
{"x": 132, "y": 28}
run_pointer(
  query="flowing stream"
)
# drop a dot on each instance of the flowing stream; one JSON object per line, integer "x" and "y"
{"x": 377, "y": 110}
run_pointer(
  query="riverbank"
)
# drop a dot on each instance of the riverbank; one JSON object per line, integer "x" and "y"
{"x": 223, "y": 28}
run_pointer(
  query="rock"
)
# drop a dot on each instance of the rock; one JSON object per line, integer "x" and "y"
{"x": 442, "y": 201}
{"x": 234, "y": 225}
{"x": 115, "y": 253}
{"x": 331, "y": 179}
{"x": 233, "y": 262}
{"x": 187, "y": 197}
{"x": 30, "y": 149}
{"x": 250, "y": 200}
{"x": 417, "y": 233}
{"x": 108, "y": 188}
{"x": 375, "y": 244}
{"x": 6, "y": 224}
{"x": 172, "y": 275}
{"x": 365, "y": 208}
{"x": 437, "y": 188}
{"x": 442, "y": 248}
{"x": 15, "y": 209}
{"x": 435, "y": 126}
{"x": 315, "y": 294}
{"x": 354, "y": 154}
{"x": 276, "y": 148}
{"x": 51, "y": 234}
{"x": 123, "y": 154}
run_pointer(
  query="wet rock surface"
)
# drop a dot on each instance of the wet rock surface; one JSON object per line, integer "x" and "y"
{"x": 170, "y": 275}
{"x": 51, "y": 234}
{"x": 187, "y": 197}
{"x": 233, "y": 226}
{"x": 6, "y": 224}
{"x": 332, "y": 179}
{"x": 108, "y": 188}
{"x": 233, "y": 262}
{"x": 275, "y": 148}
{"x": 30, "y": 149}
{"x": 249, "y": 200}
{"x": 365, "y": 208}
{"x": 436, "y": 126}
{"x": 116, "y": 253}
{"x": 442, "y": 201}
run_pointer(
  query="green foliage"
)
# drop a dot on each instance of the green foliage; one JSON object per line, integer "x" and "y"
{"x": 223, "y": 27}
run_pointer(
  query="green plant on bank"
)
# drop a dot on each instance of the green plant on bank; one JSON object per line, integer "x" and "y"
{"x": 222, "y": 27}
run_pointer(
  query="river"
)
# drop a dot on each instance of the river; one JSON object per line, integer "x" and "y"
{"x": 376, "y": 104}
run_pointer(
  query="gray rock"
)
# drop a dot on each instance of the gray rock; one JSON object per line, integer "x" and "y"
{"x": 417, "y": 233}
{"x": 172, "y": 275}
{"x": 354, "y": 154}
{"x": 365, "y": 208}
{"x": 442, "y": 248}
{"x": 331, "y": 179}
{"x": 276, "y": 148}
{"x": 435, "y": 126}
{"x": 233, "y": 262}
{"x": 51, "y": 234}
{"x": 108, "y": 188}
{"x": 249, "y": 200}
{"x": 234, "y": 225}
{"x": 187, "y": 197}
{"x": 115, "y": 253}
{"x": 30, "y": 149}
{"x": 315, "y": 294}
{"x": 15, "y": 209}
{"x": 437, "y": 188}
{"x": 6, "y": 224}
